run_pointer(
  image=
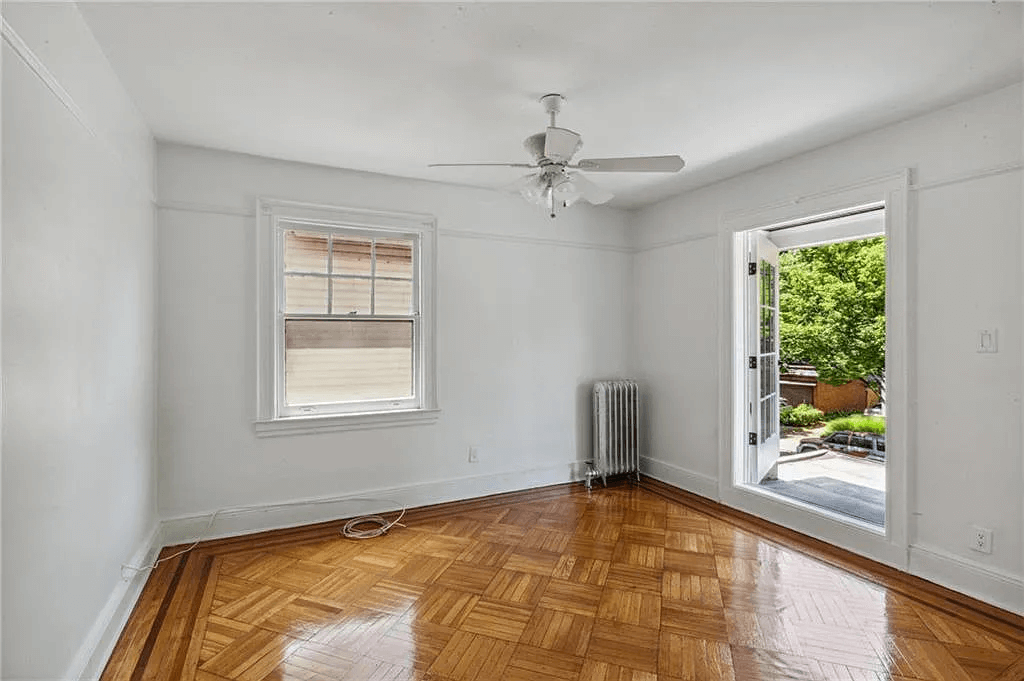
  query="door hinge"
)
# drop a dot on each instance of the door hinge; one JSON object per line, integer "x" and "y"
{"x": 751, "y": 268}
{"x": 752, "y": 439}
{"x": 752, "y": 362}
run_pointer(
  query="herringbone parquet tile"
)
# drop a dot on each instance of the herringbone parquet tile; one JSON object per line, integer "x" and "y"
{"x": 623, "y": 584}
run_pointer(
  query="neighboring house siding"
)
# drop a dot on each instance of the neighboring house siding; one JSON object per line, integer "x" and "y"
{"x": 854, "y": 395}
{"x": 801, "y": 386}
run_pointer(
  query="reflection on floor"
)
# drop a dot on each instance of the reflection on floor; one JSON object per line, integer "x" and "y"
{"x": 848, "y": 485}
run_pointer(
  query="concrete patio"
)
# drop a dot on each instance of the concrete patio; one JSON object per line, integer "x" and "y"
{"x": 851, "y": 469}
{"x": 848, "y": 485}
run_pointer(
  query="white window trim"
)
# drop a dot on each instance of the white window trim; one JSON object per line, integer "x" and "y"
{"x": 270, "y": 421}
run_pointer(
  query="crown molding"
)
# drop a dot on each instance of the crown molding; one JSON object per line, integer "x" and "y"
{"x": 31, "y": 60}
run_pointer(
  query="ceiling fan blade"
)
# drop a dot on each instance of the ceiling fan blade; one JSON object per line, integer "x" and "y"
{"x": 632, "y": 164}
{"x": 474, "y": 165}
{"x": 560, "y": 144}
{"x": 590, "y": 192}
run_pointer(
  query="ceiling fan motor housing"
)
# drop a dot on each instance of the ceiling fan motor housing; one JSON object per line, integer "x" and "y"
{"x": 565, "y": 145}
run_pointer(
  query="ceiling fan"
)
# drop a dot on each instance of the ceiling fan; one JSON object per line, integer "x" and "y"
{"x": 558, "y": 181}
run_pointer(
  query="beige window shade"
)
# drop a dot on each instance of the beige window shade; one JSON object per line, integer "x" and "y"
{"x": 343, "y": 361}
{"x": 350, "y": 295}
{"x": 332, "y": 334}
{"x": 394, "y": 258}
{"x": 304, "y": 252}
{"x": 353, "y": 357}
{"x": 306, "y": 295}
{"x": 393, "y": 297}
{"x": 352, "y": 256}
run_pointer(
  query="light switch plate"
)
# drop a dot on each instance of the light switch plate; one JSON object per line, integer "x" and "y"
{"x": 988, "y": 340}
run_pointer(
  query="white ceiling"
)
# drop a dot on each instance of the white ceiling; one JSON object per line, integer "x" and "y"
{"x": 390, "y": 88}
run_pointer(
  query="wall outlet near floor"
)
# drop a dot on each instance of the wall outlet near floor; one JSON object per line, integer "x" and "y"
{"x": 981, "y": 539}
{"x": 474, "y": 454}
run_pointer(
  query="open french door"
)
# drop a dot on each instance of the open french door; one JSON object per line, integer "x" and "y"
{"x": 762, "y": 355}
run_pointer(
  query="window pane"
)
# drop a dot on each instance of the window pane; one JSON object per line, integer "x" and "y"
{"x": 305, "y": 252}
{"x": 351, "y": 295}
{"x": 764, "y": 329}
{"x": 351, "y": 256}
{"x": 345, "y": 361}
{"x": 305, "y": 295}
{"x": 394, "y": 258}
{"x": 393, "y": 296}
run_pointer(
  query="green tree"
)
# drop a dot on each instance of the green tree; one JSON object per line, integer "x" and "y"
{"x": 832, "y": 310}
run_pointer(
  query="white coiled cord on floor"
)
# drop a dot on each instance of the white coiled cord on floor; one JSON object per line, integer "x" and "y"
{"x": 380, "y": 526}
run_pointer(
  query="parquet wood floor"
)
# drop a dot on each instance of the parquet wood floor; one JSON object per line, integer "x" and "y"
{"x": 625, "y": 584}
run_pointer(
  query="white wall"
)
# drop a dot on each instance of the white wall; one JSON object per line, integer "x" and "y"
{"x": 78, "y": 319}
{"x": 530, "y": 312}
{"x": 965, "y": 463}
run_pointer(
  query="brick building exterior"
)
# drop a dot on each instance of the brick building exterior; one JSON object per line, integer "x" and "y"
{"x": 800, "y": 385}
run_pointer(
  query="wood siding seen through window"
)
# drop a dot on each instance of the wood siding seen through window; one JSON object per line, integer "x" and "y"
{"x": 347, "y": 353}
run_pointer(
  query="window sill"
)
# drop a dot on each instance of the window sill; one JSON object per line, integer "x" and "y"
{"x": 306, "y": 425}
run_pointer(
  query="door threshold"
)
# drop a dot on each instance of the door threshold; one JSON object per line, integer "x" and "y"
{"x": 821, "y": 511}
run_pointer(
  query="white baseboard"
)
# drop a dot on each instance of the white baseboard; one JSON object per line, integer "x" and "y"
{"x": 273, "y": 516}
{"x": 94, "y": 652}
{"x": 698, "y": 483}
{"x": 992, "y": 585}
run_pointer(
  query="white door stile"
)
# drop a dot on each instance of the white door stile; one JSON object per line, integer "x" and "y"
{"x": 763, "y": 345}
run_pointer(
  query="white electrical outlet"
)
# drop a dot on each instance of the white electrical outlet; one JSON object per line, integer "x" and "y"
{"x": 981, "y": 539}
{"x": 474, "y": 454}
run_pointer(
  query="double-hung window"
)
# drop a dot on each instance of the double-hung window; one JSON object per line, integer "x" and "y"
{"x": 346, "y": 317}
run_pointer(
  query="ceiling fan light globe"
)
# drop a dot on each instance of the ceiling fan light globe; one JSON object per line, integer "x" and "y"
{"x": 535, "y": 191}
{"x": 566, "y": 192}
{"x": 532, "y": 195}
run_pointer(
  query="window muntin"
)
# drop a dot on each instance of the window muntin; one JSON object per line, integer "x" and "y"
{"x": 349, "y": 320}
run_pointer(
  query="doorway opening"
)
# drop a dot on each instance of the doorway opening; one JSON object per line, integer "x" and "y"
{"x": 815, "y": 322}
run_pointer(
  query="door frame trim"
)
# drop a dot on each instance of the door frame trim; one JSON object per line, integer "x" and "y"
{"x": 889, "y": 547}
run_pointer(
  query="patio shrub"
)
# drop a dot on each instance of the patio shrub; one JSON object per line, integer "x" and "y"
{"x": 840, "y": 414}
{"x": 857, "y": 424}
{"x": 800, "y": 415}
